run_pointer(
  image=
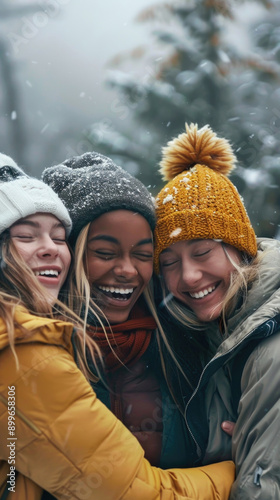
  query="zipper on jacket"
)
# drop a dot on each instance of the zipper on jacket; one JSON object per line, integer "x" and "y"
{"x": 198, "y": 449}
{"x": 214, "y": 360}
{"x": 257, "y": 476}
{"x": 22, "y": 417}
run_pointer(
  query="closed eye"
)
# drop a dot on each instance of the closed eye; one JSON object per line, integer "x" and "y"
{"x": 104, "y": 255}
{"x": 168, "y": 263}
{"x": 201, "y": 254}
{"x": 143, "y": 255}
{"x": 22, "y": 237}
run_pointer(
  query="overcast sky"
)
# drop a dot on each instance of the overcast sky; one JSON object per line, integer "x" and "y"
{"x": 66, "y": 51}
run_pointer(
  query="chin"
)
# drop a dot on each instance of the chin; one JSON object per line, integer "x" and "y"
{"x": 208, "y": 318}
{"x": 115, "y": 319}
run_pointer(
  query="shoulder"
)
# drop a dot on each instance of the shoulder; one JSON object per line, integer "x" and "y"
{"x": 259, "y": 381}
{"x": 40, "y": 345}
{"x": 265, "y": 356}
{"x": 30, "y": 328}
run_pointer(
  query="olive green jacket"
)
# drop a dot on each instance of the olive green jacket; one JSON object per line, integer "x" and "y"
{"x": 255, "y": 446}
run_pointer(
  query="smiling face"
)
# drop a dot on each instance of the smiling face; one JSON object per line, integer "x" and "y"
{"x": 197, "y": 273}
{"x": 119, "y": 261}
{"x": 40, "y": 240}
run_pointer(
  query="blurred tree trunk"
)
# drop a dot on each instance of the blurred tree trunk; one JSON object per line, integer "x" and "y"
{"x": 11, "y": 106}
{"x": 11, "y": 109}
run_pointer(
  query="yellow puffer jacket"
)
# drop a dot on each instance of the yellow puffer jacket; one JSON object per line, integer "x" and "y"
{"x": 66, "y": 441}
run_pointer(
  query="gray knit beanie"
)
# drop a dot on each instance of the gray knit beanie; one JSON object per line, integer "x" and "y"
{"x": 21, "y": 196}
{"x": 92, "y": 184}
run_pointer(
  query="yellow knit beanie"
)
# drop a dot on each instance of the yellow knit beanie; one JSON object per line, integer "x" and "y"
{"x": 200, "y": 201}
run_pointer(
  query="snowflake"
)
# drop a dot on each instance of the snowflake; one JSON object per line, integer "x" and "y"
{"x": 176, "y": 232}
{"x": 169, "y": 197}
{"x": 186, "y": 180}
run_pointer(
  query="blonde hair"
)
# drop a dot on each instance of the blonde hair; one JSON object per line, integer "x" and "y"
{"x": 162, "y": 342}
{"x": 79, "y": 295}
{"x": 241, "y": 279}
{"x": 81, "y": 302}
{"x": 19, "y": 287}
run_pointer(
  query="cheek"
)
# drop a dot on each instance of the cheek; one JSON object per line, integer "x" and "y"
{"x": 67, "y": 259}
{"x": 170, "y": 281}
{"x": 96, "y": 268}
{"x": 227, "y": 277}
{"x": 227, "y": 270}
{"x": 146, "y": 272}
{"x": 25, "y": 253}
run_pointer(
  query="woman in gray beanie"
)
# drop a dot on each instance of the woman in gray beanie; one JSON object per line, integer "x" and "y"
{"x": 55, "y": 434}
{"x": 113, "y": 217}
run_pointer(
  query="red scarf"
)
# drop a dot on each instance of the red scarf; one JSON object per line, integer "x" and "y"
{"x": 128, "y": 340}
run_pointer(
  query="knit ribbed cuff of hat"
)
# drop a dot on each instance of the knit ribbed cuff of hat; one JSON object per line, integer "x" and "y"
{"x": 189, "y": 225}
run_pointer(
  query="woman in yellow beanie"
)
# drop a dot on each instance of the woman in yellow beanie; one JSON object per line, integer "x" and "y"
{"x": 220, "y": 285}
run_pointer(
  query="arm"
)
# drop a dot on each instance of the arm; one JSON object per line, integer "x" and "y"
{"x": 71, "y": 445}
{"x": 256, "y": 437}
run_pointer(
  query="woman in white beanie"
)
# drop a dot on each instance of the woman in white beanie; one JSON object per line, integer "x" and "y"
{"x": 55, "y": 434}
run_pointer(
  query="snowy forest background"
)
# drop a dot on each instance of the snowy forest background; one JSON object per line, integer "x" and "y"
{"x": 202, "y": 61}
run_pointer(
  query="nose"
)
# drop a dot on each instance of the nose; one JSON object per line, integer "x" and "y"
{"x": 125, "y": 268}
{"x": 191, "y": 274}
{"x": 48, "y": 247}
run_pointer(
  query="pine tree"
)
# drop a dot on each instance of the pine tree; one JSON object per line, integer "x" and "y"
{"x": 192, "y": 73}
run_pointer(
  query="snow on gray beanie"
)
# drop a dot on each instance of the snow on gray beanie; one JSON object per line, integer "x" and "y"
{"x": 21, "y": 196}
{"x": 91, "y": 184}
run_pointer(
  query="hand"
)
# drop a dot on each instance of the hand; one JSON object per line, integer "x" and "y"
{"x": 228, "y": 427}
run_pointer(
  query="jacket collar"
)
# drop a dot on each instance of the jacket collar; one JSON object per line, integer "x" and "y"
{"x": 263, "y": 299}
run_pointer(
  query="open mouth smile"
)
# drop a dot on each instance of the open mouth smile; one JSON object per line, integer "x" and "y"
{"x": 203, "y": 293}
{"x": 50, "y": 273}
{"x": 117, "y": 293}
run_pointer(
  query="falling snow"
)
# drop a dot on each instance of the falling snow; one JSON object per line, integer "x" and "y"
{"x": 168, "y": 198}
{"x": 176, "y": 232}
